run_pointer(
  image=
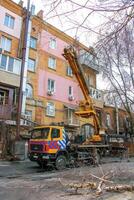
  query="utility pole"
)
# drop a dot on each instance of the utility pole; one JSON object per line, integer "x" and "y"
{"x": 19, "y": 109}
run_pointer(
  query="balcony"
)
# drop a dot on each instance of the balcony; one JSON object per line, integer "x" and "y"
{"x": 26, "y": 120}
{"x": 97, "y": 97}
{"x": 69, "y": 115}
{"x": 5, "y": 112}
{"x": 85, "y": 58}
{"x": 71, "y": 121}
{"x": 10, "y": 70}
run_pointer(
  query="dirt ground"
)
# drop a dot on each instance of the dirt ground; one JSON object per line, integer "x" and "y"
{"x": 26, "y": 181}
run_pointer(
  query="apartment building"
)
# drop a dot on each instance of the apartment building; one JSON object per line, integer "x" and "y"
{"x": 51, "y": 93}
{"x": 10, "y": 63}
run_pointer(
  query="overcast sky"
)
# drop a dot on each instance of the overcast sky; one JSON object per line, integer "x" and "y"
{"x": 66, "y": 24}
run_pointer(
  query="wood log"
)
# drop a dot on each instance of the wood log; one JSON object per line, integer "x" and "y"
{"x": 119, "y": 188}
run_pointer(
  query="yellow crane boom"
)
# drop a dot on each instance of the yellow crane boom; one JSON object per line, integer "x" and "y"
{"x": 86, "y": 107}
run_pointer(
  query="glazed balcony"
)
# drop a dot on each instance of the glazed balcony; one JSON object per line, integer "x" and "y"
{"x": 97, "y": 97}
{"x": 85, "y": 58}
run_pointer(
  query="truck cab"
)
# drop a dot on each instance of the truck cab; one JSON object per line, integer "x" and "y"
{"x": 47, "y": 144}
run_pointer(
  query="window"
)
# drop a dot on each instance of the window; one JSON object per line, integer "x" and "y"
{"x": 51, "y": 85}
{"x": 90, "y": 81}
{"x": 70, "y": 114}
{"x": 52, "y": 43}
{"x": 3, "y": 62}
{"x": 52, "y": 63}
{"x": 55, "y": 133}
{"x": 50, "y": 111}
{"x": 10, "y": 64}
{"x": 4, "y": 96}
{"x": 17, "y": 66}
{"x": 6, "y": 43}
{"x": 108, "y": 120}
{"x": 29, "y": 91}
{"x": 41, "y": 133}
{"x": 28, "y": 114}
{"x": 31, "y": 64}
{"x": 70, "y": 91}
{"x": 9, "y": 21}
{"x": 33, "y": 42}
{"x": 69, "y": 71}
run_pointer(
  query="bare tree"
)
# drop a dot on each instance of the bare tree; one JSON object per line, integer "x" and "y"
{"x": 89, "y": 17}
{"x": 116, "y": 60}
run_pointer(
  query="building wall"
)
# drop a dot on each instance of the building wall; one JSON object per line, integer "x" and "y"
{"x": 122, "y": 115}
{"x": 16, "y": 31}
{"x": 10, "y": 80}
{"x": 44, "y": 44}
{"x": 8, "y": 7}
{"x": 61, "y": 90}
{"x": 39, "y": 79}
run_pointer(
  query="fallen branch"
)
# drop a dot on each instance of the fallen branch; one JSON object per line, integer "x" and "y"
{"x": 102, "y": 179}
{"x": 84, "y": 185}
{"x": 120, "y": 188}
{"x": 99, "y": 188}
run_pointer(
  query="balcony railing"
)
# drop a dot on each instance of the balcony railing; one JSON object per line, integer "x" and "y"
{"x": 27, "y": 120}
{"x": 85, "y": 58}
{"x": 96, "y": 94}
{"x": 72, "y": 121}
{"x": 5, "y": 111}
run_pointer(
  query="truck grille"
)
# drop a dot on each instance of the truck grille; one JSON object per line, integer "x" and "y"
{"x": 36, "y": 147}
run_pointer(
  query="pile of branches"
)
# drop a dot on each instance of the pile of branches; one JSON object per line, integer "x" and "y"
{"x": 98, "y": 187}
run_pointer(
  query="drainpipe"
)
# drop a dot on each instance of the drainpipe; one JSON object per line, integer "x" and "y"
{"x": 117, "y": 120}
{"x": 23, "y": 74}
{"x": 117, "y": 116}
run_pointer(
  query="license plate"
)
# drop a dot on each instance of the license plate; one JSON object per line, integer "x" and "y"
{"x": 45, "y": 157}
{"x": 35, "y": 156}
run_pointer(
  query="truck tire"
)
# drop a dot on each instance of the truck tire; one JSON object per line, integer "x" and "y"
{"x": 60, "y": 162}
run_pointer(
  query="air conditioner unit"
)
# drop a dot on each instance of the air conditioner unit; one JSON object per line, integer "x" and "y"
{"x": 71, "y": 98}
{"x": 50, "y": 93}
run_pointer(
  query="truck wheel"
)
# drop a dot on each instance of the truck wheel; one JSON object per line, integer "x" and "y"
{"x": 60, "y": 162}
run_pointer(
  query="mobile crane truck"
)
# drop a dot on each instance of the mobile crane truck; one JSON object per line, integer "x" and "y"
{"x": 50, "y": 145}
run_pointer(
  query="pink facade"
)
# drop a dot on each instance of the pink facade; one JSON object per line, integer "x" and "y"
{"x": 61, "y": 87}
{"x": 44, "y": 44}
{"x": 17, "y": 25}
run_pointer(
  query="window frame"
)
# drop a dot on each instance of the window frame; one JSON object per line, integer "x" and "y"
{"x": 49, "y": 62}
{"x": 4, "y": 47}
{"x": 53, "y": 129}
{"x": 15, "y": 66}
{"x": 68, "y": 71}
{"x": 29, "y": 68}
{"x": 31, "y": 96}
{"x": 108, "y": 120}
{"x": 32, "y": 46}
{"x": 51, "y": 43}
{"x": 70, "y": 87}
{"x": 49, "y": 106}
{"x": 8, "y": 24}
{"x": 51, "y": 89}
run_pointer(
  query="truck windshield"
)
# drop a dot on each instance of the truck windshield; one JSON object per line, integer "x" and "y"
{"x": 40, "y": 133}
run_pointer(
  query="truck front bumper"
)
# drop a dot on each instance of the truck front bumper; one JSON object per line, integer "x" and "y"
{"x": 40, "y": 156}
